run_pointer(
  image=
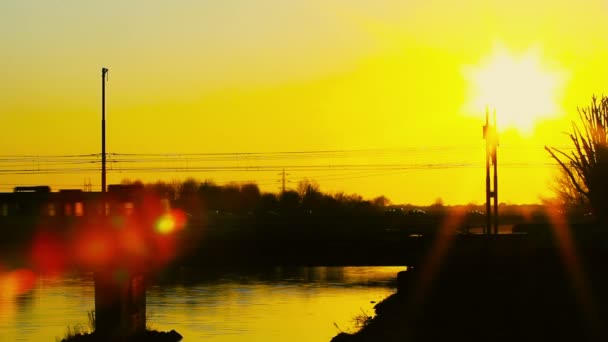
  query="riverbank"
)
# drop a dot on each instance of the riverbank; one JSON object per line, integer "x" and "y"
{"x": 514, "y": 294}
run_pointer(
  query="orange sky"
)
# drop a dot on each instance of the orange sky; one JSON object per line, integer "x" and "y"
{"x": 384, "y": 82}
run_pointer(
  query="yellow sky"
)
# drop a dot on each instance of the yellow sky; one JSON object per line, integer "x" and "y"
{"x": 271, "y": 75}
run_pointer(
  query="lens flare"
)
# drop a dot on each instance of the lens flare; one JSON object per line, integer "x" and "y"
{"x": 17, "y": 282}
{"x": 574, "y": 266}
{"x": 133, "y": 243}
{"x": 95, "y": 247}
{"x": 47, "y": 253}
{"x": 170, "y": 222}
{"x": 165, "y": 224}
{"x": 437, "y": 253}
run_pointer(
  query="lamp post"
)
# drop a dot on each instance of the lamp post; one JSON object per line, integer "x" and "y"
{"x": 104, "y": 73}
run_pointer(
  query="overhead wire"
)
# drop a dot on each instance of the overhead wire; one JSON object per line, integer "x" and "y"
{"x": 341, "y": 164}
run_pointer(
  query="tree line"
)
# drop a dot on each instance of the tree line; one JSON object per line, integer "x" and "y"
{"x": 201, "y": 197}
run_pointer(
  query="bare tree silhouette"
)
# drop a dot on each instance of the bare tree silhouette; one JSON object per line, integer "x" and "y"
{"x": 566, "y": 192}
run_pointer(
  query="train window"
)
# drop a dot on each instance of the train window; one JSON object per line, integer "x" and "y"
{"x": 67, "y": 209}
{"x": 128, "y": 207}
{"x": 51, "y": 210}
{"x": 103, "y": 209}
{"x": 78, "y": 209}
{"x": 4, "y": 209}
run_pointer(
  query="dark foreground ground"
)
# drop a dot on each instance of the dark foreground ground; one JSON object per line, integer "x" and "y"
{"x": 505, "y": 288}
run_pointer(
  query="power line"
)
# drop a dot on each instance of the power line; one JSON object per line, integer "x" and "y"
{"x": 268, "y": 168}
{"x": 341, "y": 164}
{"x": 279, "y": 154}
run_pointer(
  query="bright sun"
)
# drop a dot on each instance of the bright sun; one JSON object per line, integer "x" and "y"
{"x": 518, "y": 87}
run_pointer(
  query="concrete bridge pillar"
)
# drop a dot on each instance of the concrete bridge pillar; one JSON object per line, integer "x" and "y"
{"x": 120, "y": 304}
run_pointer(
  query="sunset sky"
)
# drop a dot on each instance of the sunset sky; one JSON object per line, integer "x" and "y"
{"x": 349, "y": 86}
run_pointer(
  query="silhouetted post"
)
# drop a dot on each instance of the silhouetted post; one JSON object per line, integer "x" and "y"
{"x": 495, "y": 162}
{"x": 486, "y": 229}
{"x": 283, "y": 174}
{"x": 490, "y": 134}
{"x": 283, "y": 189}
{"x": 120, "y": 297}
{"x": 104, "y": 72}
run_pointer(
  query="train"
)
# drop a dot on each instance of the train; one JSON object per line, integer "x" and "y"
{"x": 42, "y": 203}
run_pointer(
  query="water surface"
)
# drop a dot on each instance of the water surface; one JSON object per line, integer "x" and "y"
{"x": 270, "y": 304}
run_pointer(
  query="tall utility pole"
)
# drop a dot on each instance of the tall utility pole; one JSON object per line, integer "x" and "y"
{"x": 490, "y": 134}
{"x": 283, "y": 174}
{"x": 104, "y": 73}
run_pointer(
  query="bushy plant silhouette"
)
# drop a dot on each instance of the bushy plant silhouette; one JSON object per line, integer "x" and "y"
{"x": 586, "y": 165}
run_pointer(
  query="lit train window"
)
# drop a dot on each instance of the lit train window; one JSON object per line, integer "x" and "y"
{"x": 128, "y": 206}
{"x": 67, "y": 210}
{"x": 78, "y": 209}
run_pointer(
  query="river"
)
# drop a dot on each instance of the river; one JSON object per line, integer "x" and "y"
{"x": 267, "y": 304}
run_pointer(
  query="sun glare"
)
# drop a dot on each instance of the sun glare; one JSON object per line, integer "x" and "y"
{"x": 521, "y": 89}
